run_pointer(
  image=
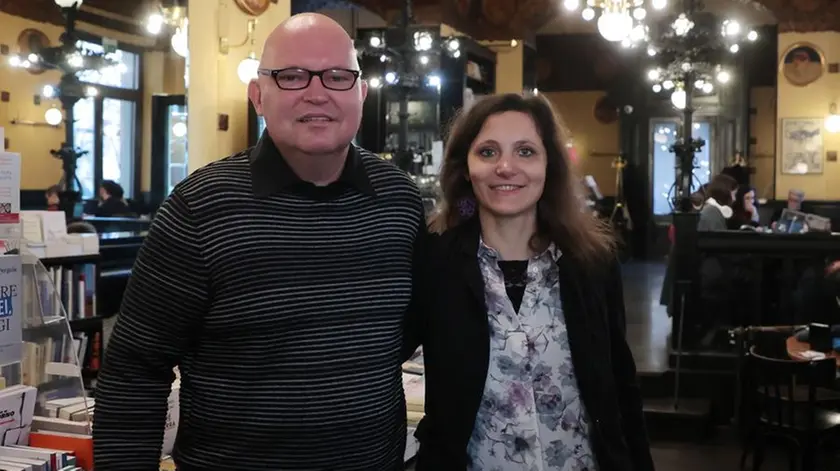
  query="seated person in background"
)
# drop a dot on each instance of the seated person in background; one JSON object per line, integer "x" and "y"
{"x": 52, "y": 198}
{"x": 744, "y": 211}
{"x": 111, "y": 202}
{"x": 794, "y": 202}
{"x": 719, "y": 197}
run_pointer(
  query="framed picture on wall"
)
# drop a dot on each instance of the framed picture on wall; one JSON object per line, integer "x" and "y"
{"x": 802, "y": 64}
{"x": 802, "y": 146}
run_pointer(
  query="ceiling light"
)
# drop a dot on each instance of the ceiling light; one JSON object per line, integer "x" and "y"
{"x": 375, "y": 82}
{"x": 180, "y": 41}
{"x": 588, "y": 14}
{"x": 571, "y": 5}
{"x": 678, "y": 99}
{"x": 154, "y": 23}
{"x": 615, "y": 26}
{"x": 69, "y": 3}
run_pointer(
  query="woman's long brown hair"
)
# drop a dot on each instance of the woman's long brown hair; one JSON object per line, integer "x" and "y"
{"x": 561, "y": 215}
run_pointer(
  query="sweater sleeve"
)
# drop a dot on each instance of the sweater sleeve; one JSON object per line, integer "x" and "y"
{"x": 166, "y": 298}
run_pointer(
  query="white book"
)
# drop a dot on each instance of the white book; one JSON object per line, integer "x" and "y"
{"x": 30, "y": 453}
{"x": 17, "y": 405}
{"x": 12, "y": 466}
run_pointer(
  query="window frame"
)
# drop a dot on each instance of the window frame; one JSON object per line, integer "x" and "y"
{"x": 126, "y": 94}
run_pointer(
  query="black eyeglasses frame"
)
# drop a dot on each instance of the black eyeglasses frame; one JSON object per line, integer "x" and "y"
{"x": 273, "y": 73}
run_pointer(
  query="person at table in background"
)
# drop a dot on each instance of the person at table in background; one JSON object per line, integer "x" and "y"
{"x": 111, "y": 200}
{"x": 744, "y": 210}
{"x": 794, "y": 203}
{"x": 720, "y": 194}
{"x": 521, "y": 312}
{"x": 53, "y": 199}
{"x": 277, "y": 280}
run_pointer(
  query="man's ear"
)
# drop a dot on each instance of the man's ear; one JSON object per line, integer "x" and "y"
{"x": 364, "y": 89}
{"x": 255, "y": 95}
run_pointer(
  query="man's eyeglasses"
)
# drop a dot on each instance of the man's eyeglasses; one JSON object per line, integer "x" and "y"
{"x": 298, "y": 79}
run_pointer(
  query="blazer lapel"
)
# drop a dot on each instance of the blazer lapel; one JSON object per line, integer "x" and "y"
{"x": 467, "y": 238}
{"x": 576, "y": 314}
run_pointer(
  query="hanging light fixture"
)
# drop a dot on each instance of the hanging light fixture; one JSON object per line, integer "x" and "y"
{"x": 618, "y": 20}
{"x": 170, "y": 18}
{"x": 426, "y": 46}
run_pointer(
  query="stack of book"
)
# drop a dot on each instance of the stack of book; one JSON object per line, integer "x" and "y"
{"x": 18, "y": 429}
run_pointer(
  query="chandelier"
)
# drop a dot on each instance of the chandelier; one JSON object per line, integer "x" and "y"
{"x": 71, "y": 57}
{"x": 694, "y": 53}
{"x": 174, "y": 18}
{"x": 418, "y": 60}
{"x": 617, "y": 20}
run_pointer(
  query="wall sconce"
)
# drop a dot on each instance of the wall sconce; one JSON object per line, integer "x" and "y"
{"x": 832, "y": 121}
{"x": 247, "y": 68}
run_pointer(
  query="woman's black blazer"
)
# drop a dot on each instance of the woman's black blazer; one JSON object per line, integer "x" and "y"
{"x": 449, "y": 318}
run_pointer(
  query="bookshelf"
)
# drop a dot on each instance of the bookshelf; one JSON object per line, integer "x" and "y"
{"x": 76, "y": 281}
{"x": 49, "y": 365}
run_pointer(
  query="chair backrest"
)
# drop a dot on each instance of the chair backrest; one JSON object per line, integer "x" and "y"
{"x": 784, "y": 391}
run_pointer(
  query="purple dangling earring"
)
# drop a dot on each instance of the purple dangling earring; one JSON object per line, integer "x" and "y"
{"x": 466, "y": 207}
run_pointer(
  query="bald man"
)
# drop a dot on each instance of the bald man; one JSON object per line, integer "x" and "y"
{"x": 277, "y": 280}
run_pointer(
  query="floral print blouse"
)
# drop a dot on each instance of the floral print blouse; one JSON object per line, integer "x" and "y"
{"x": 531, "y": 417}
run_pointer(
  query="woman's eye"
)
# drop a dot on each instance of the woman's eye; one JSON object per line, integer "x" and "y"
{"x": 486, "y": 153}
{"x": 526, "y": 152}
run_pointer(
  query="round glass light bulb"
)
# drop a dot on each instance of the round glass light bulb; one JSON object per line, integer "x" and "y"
{"x": 247, "y": 69}
{"x": 659, "y": 4}
{"x": 179, "y": 129}
{"x": 180, "y": 42}
{"x": 53, "y": 116}
{"x": 832, "y": 123}
{"x": 571, "y": 5}
{"x": 588, "y": 14}
{"x": 678, "y": 99}
{"x": 615, "y": 26}
{"x": 68, "y": 3}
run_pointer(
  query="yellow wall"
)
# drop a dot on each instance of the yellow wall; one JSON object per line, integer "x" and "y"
{"x": 811, "y": 101}
{"x": 214, "y": 87}
{"x": 509, "y": 64}
{"x": 763, "y": 130}
{"x": 40, "y": 169}
{"x": 589, "y": 135}
{"x": 163, "y": 73}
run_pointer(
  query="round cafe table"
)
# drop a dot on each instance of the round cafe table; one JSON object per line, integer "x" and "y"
{"x": 795, "y": 349}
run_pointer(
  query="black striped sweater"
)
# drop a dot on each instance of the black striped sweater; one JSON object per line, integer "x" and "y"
{"x": 282, "y": 305}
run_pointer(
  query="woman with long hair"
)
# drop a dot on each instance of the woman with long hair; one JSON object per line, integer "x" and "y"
{"x": 520, "y": 308}
{"x": 744, "y": 209}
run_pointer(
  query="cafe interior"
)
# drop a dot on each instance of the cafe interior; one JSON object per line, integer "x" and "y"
{"x": 735, "y": 331}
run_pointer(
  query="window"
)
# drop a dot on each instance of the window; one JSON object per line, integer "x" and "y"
{"x": 664, "y": 134}
{"x": 105, "y": 125}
